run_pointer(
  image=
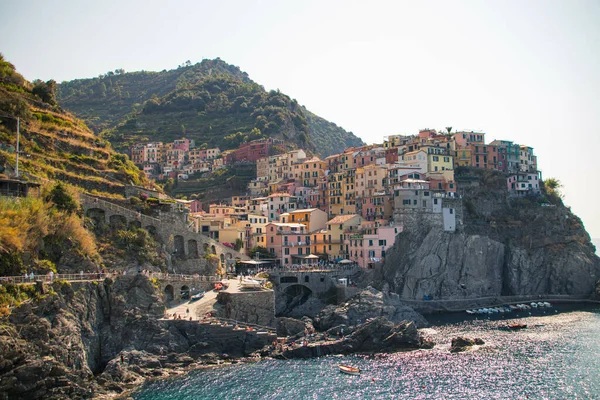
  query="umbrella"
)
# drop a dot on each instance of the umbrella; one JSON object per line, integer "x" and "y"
{"x": 344, "y": 261}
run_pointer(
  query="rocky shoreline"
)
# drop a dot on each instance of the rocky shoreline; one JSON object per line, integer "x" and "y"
{"x": 106, "y": 339}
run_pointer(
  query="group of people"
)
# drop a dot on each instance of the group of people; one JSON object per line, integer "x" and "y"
{"x": 177, "y": 317}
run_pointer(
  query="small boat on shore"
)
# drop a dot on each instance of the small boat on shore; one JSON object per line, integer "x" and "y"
{"x": 250, "y": 284}
{"x": 347, "y": 369}
{"x": 516, "y": 327}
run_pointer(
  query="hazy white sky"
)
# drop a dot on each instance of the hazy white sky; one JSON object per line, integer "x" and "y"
{"x": 526, "y": 71}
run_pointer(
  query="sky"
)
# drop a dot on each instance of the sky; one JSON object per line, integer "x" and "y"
{"x": 525, "y": 71}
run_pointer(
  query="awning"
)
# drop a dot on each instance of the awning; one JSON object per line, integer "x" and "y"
{"x": 307, "y": 257}
{"x": 345, "y": 261}
{"x": 256, "y": 262}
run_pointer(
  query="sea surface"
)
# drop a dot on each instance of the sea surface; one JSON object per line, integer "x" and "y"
{"x": 556, "y": 357}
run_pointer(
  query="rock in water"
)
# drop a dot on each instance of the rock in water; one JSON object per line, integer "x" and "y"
{"x": 460, "y": 344}
{"x": 369, "y": 303}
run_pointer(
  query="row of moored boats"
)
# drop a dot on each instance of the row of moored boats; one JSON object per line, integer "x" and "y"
{"x": 510, "y": 308}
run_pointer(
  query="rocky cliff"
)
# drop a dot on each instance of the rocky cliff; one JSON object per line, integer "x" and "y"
{"x": 502, "y": 246}
{"x": 89, "y": 339}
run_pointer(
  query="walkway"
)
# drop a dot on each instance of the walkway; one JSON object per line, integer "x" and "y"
{"x": 92, "y": 277}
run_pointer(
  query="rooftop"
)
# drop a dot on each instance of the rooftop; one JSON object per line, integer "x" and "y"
{"x": 340, "y": 219}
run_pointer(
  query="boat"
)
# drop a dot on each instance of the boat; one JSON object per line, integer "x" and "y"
{"x": 540, "y": 304}
{"x": 250, "y": 284}
{"x": 197, "y": 296}
{"x": 547, "y": 304}
{"x": 516, "y": 326}
{"x": 534, "y": 305}
{"x": 470, "y": 312}
{"x": 347, "y": 369}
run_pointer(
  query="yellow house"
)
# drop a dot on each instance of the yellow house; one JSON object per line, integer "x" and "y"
{"x": 336, "y": 228}
{"x": 370, "y": 179}
{"x": 335, "y": 183}
{"x": 439, "y": 162}
{"x": 312, "y": 218}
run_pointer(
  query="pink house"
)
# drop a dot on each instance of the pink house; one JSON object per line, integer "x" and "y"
{"x": 289, "y": 243}
{"x": 370, "y": 243}
{"x": 182, "y": 144}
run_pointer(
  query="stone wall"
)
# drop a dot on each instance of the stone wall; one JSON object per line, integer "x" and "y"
{"x": 252, "y": 307}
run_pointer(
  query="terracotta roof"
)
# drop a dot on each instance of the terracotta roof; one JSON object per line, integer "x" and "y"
{"x": 340, "y": 219}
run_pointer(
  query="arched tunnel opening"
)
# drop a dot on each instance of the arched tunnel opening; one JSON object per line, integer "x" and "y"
{"x": 294, "y": 296}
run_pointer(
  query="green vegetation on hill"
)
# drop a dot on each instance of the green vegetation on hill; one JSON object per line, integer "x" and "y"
{"x": 219, "y": 111}
{"x": 327, "y": 135}
{"x": 212, "y": 102}
{"x": 54, "y": 145}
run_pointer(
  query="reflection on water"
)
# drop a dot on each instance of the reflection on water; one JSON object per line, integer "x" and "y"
{"x": 556, "y": 357}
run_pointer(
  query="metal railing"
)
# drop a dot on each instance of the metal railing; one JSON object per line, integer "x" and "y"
{"x": 32, "y": 278}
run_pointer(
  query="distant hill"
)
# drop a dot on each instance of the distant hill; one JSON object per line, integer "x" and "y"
{"x": 55, "y": 145}
{"x": 212, "y": 102}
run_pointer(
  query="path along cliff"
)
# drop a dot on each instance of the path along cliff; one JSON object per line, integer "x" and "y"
{"x": 503, "y": 246}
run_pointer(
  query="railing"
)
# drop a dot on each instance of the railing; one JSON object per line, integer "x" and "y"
{"x": 32, "y": 278}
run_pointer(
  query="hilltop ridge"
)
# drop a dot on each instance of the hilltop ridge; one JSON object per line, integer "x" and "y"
{"x": 209, "y": 102}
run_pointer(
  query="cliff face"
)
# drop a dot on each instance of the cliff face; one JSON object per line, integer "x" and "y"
{"x": 504, "y": 246}
{"x": 91, "y": 339}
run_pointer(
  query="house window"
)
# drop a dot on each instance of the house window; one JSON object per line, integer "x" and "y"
{"x": 299, "y": 250}
{"x": 382, "y": 242}
{"x": 370, "y": 243}
{"x": 452, "y": 211}
{"x": 287, "y": 251}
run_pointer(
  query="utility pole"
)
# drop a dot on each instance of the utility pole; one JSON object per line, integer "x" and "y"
{"x": 18, "y": 137}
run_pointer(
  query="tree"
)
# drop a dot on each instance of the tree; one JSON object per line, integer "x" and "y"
{"x": 62, "y": 199}
{"x": 262, "y": 252}
{"x": 45, "y": 91}
{"x": 553, "y": 187}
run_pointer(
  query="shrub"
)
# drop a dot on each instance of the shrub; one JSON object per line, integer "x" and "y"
{"x": 62, "y": 198}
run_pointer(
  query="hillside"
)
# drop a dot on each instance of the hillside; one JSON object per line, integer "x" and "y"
{"x": 55, "y": 145}
{"x": 212, "y": 102}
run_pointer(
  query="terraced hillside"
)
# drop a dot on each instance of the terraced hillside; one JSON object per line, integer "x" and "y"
{"x": 54, "y": 145}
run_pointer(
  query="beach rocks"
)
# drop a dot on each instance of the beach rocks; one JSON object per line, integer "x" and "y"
{"x": 370, "y": 303}
{"x": 289, "y": 326}
{"x": 460, "y": 344}
{"x": 376, "y": 335}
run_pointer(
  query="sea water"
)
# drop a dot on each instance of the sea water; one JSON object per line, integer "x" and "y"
{"x": 556, "y": 357}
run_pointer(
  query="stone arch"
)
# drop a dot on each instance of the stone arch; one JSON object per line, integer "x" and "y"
{"x": 205, "y": 247}
{"x": 151, "y": 230}
{"x": 179, "y": 246}
{"x": 117, "y": 221}
{"x": 213, "y": 249}
{"x": 135, "y": 224}
{"x": 96, "y": 214}
{"x": 296, "y": 295}
{"x": 193, "y": 248}
{"x": 222, "y": 256}
{"x": 169, "y": 293}
{"x": 185, "y": 292}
